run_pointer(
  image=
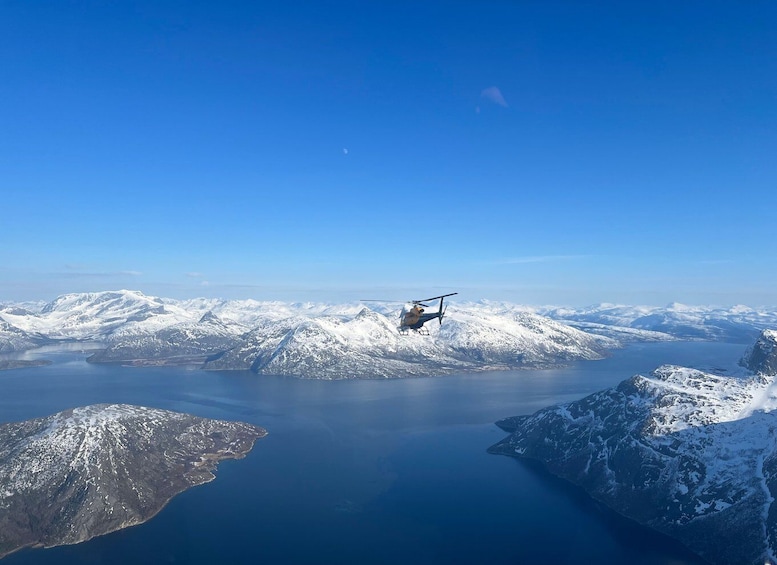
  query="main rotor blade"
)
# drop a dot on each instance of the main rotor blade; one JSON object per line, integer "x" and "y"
{"x": 435, "y": 297}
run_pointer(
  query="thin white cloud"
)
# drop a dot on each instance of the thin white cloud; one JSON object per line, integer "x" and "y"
{"x": 99, "y": 274}
{"x": 716, "y": 262}
{"x": 493, "y": 94}
{"x": 194, "y": 275}
{"x": 539, "y": 259}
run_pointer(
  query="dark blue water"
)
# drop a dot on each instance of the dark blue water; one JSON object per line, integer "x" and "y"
{"x": 362, "y": 471}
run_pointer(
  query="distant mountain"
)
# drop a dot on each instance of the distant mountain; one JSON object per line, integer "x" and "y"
{"x": 16, "y": 339}
{"x": 691, "y": 454}
{"x": 85, "y": 472}
{"x": 735, "y": 324}
{"x": 369, "y": 345}
{"x": 182, "y": 343}
{"x": 516, "y": 338}
{"x": 345, "y": 340}
{"x": 97, "y": 315}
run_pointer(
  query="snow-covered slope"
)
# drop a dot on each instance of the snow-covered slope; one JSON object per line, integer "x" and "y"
{"x": 688, "y": 453}
{"x": 252, "y": 313}
{"x": 186, "y": 342}
{"x": 93, "y": 470}
{"x": 96, "y": 315}
{"x": 369, "y": 345}
{"x": 515, "y": 338}
{"x": 16, "y": 339}
{"x": 738, "y": 323}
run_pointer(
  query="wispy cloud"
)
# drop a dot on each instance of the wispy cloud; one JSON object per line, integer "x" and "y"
{"x": 539, "y": 259}
{"x": 716, "y": 261}
{"x": 194, "y": 275}
{"x": 493, "y": 94}
{"x": 98, "y": 274}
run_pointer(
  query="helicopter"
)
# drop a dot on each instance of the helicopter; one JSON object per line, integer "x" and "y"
{"x": 415, "y": 318}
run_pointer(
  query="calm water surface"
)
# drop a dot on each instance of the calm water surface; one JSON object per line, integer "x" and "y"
{"x": 362, "y": 471}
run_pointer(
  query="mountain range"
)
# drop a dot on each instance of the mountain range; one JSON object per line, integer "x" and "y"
{"x": 304, "y": 340}
{"x": 736, "y": 324}
{"x": 350, "y": 340}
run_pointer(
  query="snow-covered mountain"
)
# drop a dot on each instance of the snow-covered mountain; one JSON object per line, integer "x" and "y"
{"x": 369, "y": 345}
{"x": 96, "y": 315}
{"x": 16, "y": 339}
{"x": 185, "y": 342}
{"x": 342, "y": 341}
{"x": 118, "y": 314}
{"x": 331, "y": 347}
{"x": 305, "y": 339}
{"x": 736, "y": 324}
{"x": 93, "y": 470}
{"x": 517, "y": 338}
{"x": 691, "y": 454}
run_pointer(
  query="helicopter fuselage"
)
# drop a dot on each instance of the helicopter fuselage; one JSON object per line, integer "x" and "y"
{"x": 418, "y": 321}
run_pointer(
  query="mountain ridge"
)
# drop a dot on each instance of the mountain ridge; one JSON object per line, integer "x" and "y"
{"x": 689, "y": 453}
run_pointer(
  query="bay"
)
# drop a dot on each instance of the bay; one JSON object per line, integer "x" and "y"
{"x": 392, "y": 471}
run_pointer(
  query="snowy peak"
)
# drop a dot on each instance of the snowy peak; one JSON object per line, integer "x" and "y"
{"x": 102, "y": 302}
{"x": 210, "y": 318}
{"x": 97, "y": 315}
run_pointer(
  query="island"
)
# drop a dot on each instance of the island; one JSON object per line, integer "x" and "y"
{"x": 85, "y": 472}
{"x": 9, "y": 364}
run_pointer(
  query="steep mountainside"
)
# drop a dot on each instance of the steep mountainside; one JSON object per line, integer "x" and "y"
{"x": 688, "y": 453}
{"x": 16, "y": 339}
{"x": 187, "y": 341}
{"x": 93, "y": 470}
{"x": 761, "y": 357}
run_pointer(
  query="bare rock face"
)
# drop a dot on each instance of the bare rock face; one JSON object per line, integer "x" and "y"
{"x": 16, "y": 339}
{"x": 761, "y": 357}
{"x": 89, "y": 471}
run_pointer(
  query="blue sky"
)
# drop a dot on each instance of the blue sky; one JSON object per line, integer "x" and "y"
{"x": 536, "y": 152}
